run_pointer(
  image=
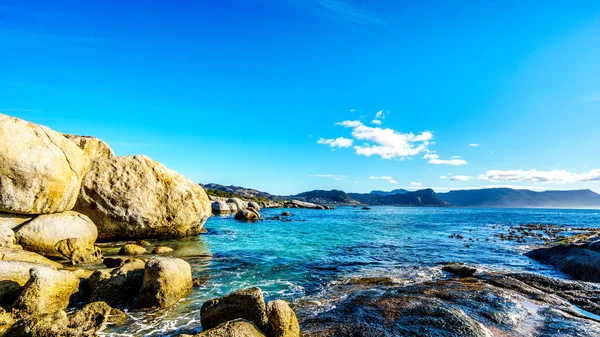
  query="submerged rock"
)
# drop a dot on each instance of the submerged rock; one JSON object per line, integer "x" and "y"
{"x": 248, "y": 304}
{"x": 166, "y": 280}
{"x": 41, "y": 171}
{"x": 459, "y": 269}
{"x": 162, "y": 250}
{"x": 136, "y": 197}
{"x": 43, "y": 233}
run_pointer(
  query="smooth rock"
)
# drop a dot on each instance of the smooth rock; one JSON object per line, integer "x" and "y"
{"x": 247, "y": 215}
{"x": 93, "y": 148}
{"x": 117, "y": 287}
{"x": 162, "y": 250}
{"x": 143, "y": 243}
{"x": 78, "y": 250}
{"x": 282, "y": 320}
{"x": 12, "y": 254}
{"x": 220, "y": 207}
{"x": 166, "y": 280}
{"x": 41, "y": 171}
{"x": 132, "y": 249}
{"x": 13, "y": 276}
{"x": 46, "y": 291}
{"x": 234, "y": 328}
{"x": 136, "y": 197}
{"x": 459, "y": 269}
{"x": 254, "y": 205}
{"x": 41, "y": 234}
{"x": 233, "y": 207}
{"x": 286, "y": 213}
{"x": 248, "y": 304}
{"x": 239, "y": 203}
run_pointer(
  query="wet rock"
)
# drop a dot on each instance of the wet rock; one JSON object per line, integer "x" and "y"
{"x": 41, "y": 234}
{"x": 46, "y": 291}
{"x": 199, "y": 281}
{"x": 366, "y": 208}
{"x": 13, "y": 254}
{"x": 166, "y": 280}
{"x": 220, "y": 207}
{"x": 136, "y": 197}
{"x": 247, "y": 215}
{"x": 78, "y": 250}
{"x": 459, "y": 270}
{"x": 132, "y": 249}
{"x": 248, "y": 304}
{"x": 282, "y": 320}
{"x": 117, "y": 287}
{"x": 234, "y": 328}
{"x": 286, "y": 213}
{"x": 93, "y": 148}
{"x": 162, "y": 250}
{"x": 41, "y": 171}
{"x": 575, "y": 260}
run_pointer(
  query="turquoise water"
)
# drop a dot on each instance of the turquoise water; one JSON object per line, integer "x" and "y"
{"x": 298, "y": 260}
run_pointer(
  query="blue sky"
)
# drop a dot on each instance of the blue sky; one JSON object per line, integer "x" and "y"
{"x": 287, "y": 96}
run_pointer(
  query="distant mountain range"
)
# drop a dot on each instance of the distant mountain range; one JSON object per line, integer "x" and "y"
{"x": 489, "y": 197}
{"x": 508, "y": 197}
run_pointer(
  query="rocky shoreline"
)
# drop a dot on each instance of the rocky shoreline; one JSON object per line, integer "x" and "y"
{"x": 80, "y": 245}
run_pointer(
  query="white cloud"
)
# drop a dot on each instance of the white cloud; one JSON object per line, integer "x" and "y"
{"x": 333, "y": 176}
{"x": 414, "y": 183}
{"x": 535, "y": 176}
{"x": 461, "y": 178}
{"x": 376, "y": 122}
{"x": 380, "y": 114}
{"x": 373, "y": 177}
{"x": 456, "y": 157}
{"x": 473, "y": 145}
{"x": 388, "y": 179}
{"x": 352, "y": 110}
{"x": 443, "y": 177}
{"x": 340, "y": 142}
{"x": 388, "y": 143}
{"x": 453, "y": 162}
{"x": 430, "y": 155}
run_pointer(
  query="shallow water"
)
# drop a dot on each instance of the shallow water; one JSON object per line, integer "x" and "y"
{"x": 298, "y": 260}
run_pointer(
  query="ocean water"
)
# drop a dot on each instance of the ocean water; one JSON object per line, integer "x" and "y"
{"x": 299, "y": 260}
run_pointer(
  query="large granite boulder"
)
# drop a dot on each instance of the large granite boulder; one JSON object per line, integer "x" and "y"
{"x": 118, "y": 287}
{"x": 7, "y": 237}
{"x": 93, "y": 148}
{"x": 41, "y": 234}
{"x": 136, "y": 197}
{"x": 220, "y": 207}
{"x": 248, "y": 304}
{"x": 166, "y": 280}
{"x": 239, "y": 203}
{"x": 8, "y": 223}
{"x": 248, "y": 214}
{"x": 235, "y": 328}
{"x": 41, "y": 171}
{"x": 12, "y": 254}
{"x": 232, "y": 207}
{"x": 254, "y": 205}
{"x": 46, "y": 291}
{"x": 282, "y": 320}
